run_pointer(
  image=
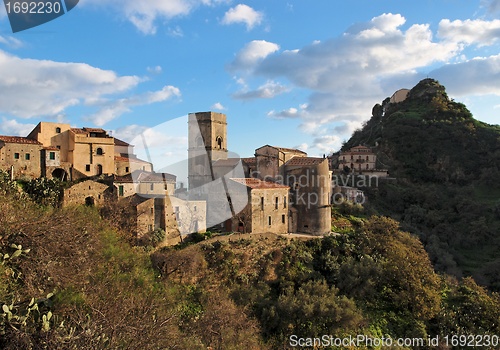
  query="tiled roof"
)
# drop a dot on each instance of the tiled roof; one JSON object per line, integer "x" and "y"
{"x": 51, "y": 148}
{"x": 258, "y": 184}
{"x": 98, "y": 130}
{"x": 284, "y": 149}
{"x": 119, "y": 142}
{"x": 304, "y": 161}
{"x": 130, "y": 159}
{"x": 18, "y": 139}
{"x": 249, "y": 160}
{"x": 78, "y": 131}
{"x": 144, "y": 176}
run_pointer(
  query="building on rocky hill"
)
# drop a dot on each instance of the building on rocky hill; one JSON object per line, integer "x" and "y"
{"x": 56, "y": 150}
{"x": 267, "y": 208}
{"x": 307, "y": 181}
{"x": 21, "y": 157}
{"x": 360, "y": 160}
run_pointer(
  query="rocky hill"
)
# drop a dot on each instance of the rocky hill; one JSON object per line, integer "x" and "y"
{"x": 447, "y": 164}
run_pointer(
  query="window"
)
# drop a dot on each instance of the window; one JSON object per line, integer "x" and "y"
{"x": 87, "y": 167}
{"x": 58, "y": 130}
{"x": 98, "y": 151}
{"x": 52, "y": 155}
{"x": 99, "y": 169}
{"x": 367, "y": 158}
{"x": 284, "y": 202}
{"x": 261, "y": 203}
{"x": 194, "y": 208}
{"x": 150, "y": 227}
{"x": 120, "y": 190}
{"x": 219, "y": 142}
{"x": 27, "y": 156}
{"x": 276, "y": 203}
{"x": 269, "y": 221}
{"x": 152, "y": 210}
{"x": 16, "y": 155}
{"x": 152, "y": 187}
{"x": 126, "y": 169}
{"x": 366, "y": 166}
{"x": 58, "y": 147}
{"x": 283, "y": 218}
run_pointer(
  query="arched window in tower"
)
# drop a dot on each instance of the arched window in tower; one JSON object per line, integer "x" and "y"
{"x": 219, "y": 142}
{"x": 98, "y": 151}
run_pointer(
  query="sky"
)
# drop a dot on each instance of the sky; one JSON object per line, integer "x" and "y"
{"x": 299, "y": 74}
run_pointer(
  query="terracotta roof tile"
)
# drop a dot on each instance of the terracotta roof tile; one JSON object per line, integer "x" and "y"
{"x": 249, "y": 160}
{"x": 119, "y": 142}
{"x": 304, "y": 161}
{"x": 18, "y": 139}
{"x": 130, "y": 159}
{"x": 258, "y": 184}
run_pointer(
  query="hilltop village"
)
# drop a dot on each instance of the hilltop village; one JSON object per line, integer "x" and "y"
{"x": 278, "y": 190}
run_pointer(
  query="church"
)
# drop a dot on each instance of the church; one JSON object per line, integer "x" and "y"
{"x": 278, "y": 190}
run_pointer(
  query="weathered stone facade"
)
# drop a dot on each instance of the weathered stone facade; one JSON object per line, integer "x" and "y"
{"x": 267, "y": 208}
{"x": 87, "y": 192}
{"x": 20, "y": 156}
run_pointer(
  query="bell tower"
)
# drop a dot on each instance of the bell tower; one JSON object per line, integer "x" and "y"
{"x": 207, "y": 142}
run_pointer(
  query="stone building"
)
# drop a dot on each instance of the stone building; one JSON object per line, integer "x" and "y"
{"x": 56, "y": 150}
{"x": 360, "y": 160}
{"x": 20, "y": 156}
{"x": 270, "y": 161}
{"x": 267, "y": 208}
{"x": 88, "y": 192}
{"x": 310, "y": 181}
{"x": 210, "y": 167}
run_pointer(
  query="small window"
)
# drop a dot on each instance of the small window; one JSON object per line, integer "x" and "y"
{"x": 152, "y": 211}
{"x": 58, "y": 147}
{"x": 98, "y": 151}
{"x": 52, "y": 155}
{"x": 276, "y": 203}
{"x": 261, "y": 203}
{"x": 120, "y": 190}
{"x": 194, "y": 208}
{"x": 151, "y": 187}
{"x": 58, "y": 130}
{"x": 284, "y": 202}
{"x": 16, "y": 155}
{"x": 87, "y": 167}
{"x": 126, "y": 169}
{"x": 283, "y": 218}
{"x": 27, "y": 156}
{"x": 269, "y": 220}
{"x": 150, "y": 227}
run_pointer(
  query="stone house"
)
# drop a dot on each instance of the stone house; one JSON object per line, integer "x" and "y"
{"x": 267, "y": 208}
{"x": 360, "y": 160}
{"x": 21, "y": 157}
{"x": 88, "y": 192}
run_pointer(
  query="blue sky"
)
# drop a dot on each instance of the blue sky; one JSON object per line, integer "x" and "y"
{"x": 289, "y": 73}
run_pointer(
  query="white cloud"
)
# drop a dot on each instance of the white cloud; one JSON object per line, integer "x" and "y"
{"x": 154, "y": 70}
{"x": 269, "y": 90}
{"x": 218, "y": 106}
{"x": 327, "y": 143}
{"x": 12, "y": 127}
{"x": 144, "y": 14}
{"x": 11, "y": 42}
{"x": 478, "y": 76}
{"x": 253, "y": 52}
{"x": 348, "y": 74}
{"x": 492, "y": 5}
{"x": 38, "y": 88}
{"x": 243, "y": 14}
{"x": 175, "y": 32}
{"x": 115, "y": 108}
{"x": 479, "y": 32}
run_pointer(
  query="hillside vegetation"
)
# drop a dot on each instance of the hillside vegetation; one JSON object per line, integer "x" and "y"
{"x": 447, "y": 166}
{"x": 68, "y": 280}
